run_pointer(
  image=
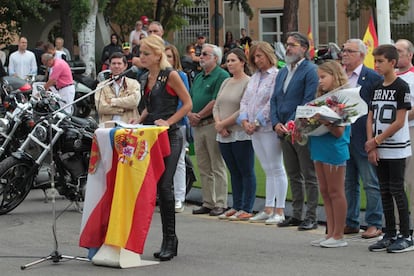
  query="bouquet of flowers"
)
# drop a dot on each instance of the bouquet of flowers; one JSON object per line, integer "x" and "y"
{"x": 339, "y": 107}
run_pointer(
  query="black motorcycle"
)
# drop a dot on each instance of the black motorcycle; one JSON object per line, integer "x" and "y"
{"x": 13, "y": 85}
{"x": 15, "y": 125}
{"x": 59, "y": 142}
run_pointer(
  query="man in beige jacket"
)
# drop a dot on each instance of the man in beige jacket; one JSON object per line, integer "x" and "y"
{"x": 118, "y": 101}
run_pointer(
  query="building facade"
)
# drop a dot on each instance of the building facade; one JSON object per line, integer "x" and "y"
{"x": 326, "y": 18}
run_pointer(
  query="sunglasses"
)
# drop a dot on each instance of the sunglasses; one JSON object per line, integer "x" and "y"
{"x": 207, "y": 54}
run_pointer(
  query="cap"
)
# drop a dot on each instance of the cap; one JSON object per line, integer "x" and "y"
{"x": 144, "y": 20}
{"x": 126, "y": 46}
{"x": 200, "y": 34}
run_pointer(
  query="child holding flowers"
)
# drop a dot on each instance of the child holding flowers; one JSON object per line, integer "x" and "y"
{"x": 329, "y": 153}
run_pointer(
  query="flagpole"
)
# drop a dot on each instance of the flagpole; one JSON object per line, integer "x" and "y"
{"x": 383, "y": 24}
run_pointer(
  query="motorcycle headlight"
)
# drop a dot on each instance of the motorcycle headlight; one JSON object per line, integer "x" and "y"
{"x": 40, "y": 132}
{"x": 4, "y": 125}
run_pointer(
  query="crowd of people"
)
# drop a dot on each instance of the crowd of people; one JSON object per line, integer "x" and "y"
{"x": 241, "y": 105}
{"x": 238, "y": 107}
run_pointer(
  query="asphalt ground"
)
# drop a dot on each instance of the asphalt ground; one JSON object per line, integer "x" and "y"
{"x": 207, "y": 246}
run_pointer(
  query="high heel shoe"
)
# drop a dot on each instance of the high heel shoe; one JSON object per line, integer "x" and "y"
{"x": 170, "y": 249}
{"x": 157, "y": 254}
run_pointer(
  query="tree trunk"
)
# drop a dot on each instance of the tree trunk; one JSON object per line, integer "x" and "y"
{"x": 66, "y": 24}
{"x": 158, "y": 10}
{"x": 86, "y": 39}
{"x": 290, "y": 16}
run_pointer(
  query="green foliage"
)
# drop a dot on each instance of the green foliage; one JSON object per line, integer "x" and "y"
{"x": 126, "y": 12}
{"x": 80, "y": 10}
{"x": 79, "y": 13}
{"x": 14, "y": 13}
{"x": 397, "y": 8}
{"x": 244, "y": 5}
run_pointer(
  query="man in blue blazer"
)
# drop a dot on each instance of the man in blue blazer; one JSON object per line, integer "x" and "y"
{"x": 296, "y": 84}
{"x": 358, "y": 167}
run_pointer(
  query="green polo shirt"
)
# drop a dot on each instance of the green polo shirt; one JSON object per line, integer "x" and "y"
{"x": 206, "y": 87}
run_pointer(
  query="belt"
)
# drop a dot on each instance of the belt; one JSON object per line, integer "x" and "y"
{"x": 206, "y": 121}
{"x": 65, "y": 86}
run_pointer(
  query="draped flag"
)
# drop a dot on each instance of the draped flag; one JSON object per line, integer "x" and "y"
{"x": 311, "y": 44}
{"x": 124, "y": 169}
{"x": 371, "y": 41}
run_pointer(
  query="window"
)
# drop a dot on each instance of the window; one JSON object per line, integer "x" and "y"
{"x": 327, "y": 21}
{"x": 270, "y": 25}
{"x": 188, "y": 34}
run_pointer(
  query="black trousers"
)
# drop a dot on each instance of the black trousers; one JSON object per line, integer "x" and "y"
{"x": 391, "y": 179}
{"x": 166, "y": 184}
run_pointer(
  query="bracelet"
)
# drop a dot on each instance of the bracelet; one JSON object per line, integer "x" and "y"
{"x": 376, "y": 141}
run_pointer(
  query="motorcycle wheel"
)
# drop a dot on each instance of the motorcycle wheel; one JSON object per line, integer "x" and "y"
{"x": 15, "y": 182}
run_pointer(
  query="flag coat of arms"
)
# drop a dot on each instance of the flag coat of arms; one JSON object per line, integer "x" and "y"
{"x": 124, "y": 169}
{"x": 371, "y": 42}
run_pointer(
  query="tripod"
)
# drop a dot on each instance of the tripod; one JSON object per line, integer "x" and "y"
{"x": 55, "y": 256}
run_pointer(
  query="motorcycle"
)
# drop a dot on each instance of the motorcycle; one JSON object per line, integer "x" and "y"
{"x": 13, "y": 85}
{"x": 332, "y": 52}
{"x": 58, "y": 142}
{"x": 83, "y": 85}
{"x": 15, "y": 125}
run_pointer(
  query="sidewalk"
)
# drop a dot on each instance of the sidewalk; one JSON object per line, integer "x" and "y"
{"x": 194, "y": 196}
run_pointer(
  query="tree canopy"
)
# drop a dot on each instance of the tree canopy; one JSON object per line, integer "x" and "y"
{"x": 397, "y": 8}
{"x": 14, "y": 13}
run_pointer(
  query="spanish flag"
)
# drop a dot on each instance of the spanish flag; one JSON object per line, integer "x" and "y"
{"x": 124, "y": 169}
{"x": 246, "y": 50}
{"x": 371, "y": 41}
{"x": 311, "y": 44}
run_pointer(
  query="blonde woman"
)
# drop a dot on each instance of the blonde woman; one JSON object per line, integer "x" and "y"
{"x": 255, "y": 119}
{"x": 162, "y": 88}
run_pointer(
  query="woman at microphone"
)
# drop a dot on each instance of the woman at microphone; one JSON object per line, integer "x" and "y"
{"x": 162, "y": 87}
{"x": 118, "y": 101}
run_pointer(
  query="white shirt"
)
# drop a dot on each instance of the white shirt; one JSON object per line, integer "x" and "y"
{"x": 22, "y": 64}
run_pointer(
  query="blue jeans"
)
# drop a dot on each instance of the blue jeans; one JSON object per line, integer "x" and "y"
{"x": 239, "y": 158}
{"x": 358, "y": 167}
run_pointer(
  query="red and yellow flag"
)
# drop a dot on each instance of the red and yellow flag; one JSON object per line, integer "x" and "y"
{"x": 121, "y": 191}
{"x": 311, "y": 44}
{"x": 371, "y": 41}
{"x": 246, "y": 50}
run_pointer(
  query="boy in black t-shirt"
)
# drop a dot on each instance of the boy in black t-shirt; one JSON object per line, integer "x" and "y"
{"x": 388, "y": 145}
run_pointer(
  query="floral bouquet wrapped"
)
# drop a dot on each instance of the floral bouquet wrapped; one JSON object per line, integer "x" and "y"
{"x": 342, "y": 106}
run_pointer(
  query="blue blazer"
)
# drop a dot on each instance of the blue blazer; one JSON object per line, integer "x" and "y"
{"x": 368, "y": 79}
{"x": 301, "y": 90}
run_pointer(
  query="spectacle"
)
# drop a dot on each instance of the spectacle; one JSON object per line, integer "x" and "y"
{"x": 349, "y": 51}
{"x": 292, "y": 45}
{"x": 206, "y": 54}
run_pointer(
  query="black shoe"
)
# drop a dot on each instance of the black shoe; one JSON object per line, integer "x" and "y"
{"x": 290, "y": 222}
{"x": 217, "y": 211}
{"x": 202, "y": 210}
{"x": 307, "y": 224}
{"x": 170, "y": 249}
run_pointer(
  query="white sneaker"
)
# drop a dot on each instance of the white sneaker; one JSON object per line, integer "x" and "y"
{"x": 317, "y": 242}
{"x": 179, "y": 206}
{"x": 332, "y": 243}
{"x": 260, "y": 217}
{"x": 275, "y": 219}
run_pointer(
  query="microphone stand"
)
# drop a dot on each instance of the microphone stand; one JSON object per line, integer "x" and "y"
{"x": 55, "y": 255}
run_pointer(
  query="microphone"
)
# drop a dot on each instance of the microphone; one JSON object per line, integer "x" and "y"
{"x": 133, "y": 69}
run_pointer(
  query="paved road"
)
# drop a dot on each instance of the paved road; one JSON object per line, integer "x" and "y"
{"x": 207, "y": 246}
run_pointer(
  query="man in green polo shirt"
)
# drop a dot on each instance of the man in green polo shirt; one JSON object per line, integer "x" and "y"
{"x": 210, "y": 163}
